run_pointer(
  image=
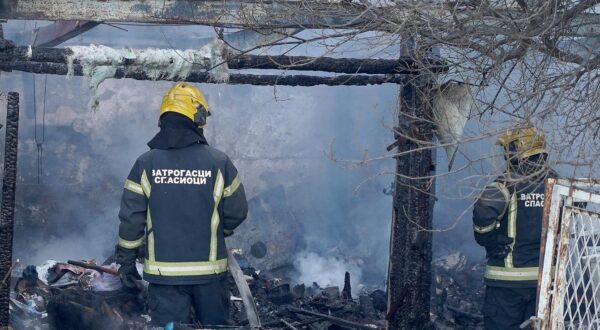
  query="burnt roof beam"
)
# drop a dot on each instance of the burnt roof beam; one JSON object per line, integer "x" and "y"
{"x": 276, "y": 14}
{"x": 198, "y": 76}
{"x": 224, "y": 13}
{"x": 9, "y": 53}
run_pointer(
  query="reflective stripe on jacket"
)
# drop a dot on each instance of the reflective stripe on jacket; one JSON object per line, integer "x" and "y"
{"x": 180, "y": 201}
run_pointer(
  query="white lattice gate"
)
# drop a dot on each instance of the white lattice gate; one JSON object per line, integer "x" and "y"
{"x": 569, "y": 284}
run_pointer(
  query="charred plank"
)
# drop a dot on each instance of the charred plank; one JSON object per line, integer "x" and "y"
{"x": 226, "y": 13}
{"x": 333, "y": 319}
{"x": 10, "y": 52}
{"x": 409, "y": 272}
{"x": 7, "y": 211}
{"x": 204, "y": 77}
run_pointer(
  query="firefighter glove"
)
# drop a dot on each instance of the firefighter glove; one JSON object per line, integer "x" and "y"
{"x": 501, "y": 248}
{"x": 129, "y": 276}
{"x": 127, "y": 272}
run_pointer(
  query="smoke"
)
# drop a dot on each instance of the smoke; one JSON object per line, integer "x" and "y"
{"x": 315, "y": 144}
{"x": 285, "y": 141}
{"x": 71, "y": 172}
{"x": 77, "y": 236}
{"x": 326, "y": 270}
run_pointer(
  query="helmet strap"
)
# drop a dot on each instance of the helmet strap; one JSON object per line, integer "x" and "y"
{"x": 200, "y": 116}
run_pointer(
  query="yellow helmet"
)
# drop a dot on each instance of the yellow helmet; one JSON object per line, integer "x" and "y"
{"x": 187, "y": 100}
{"x": 525, "y": 142}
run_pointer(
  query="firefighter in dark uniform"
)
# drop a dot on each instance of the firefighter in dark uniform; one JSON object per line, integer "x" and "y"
{"x": 182, "y": 198}
{"x": 507, "y": 221}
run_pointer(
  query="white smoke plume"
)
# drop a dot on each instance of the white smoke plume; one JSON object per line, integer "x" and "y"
{"x": 326, "y": 270}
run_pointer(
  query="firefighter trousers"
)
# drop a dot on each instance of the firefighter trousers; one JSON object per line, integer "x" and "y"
{"x": 506, "y": 308}
{"x": 173, "y": 303}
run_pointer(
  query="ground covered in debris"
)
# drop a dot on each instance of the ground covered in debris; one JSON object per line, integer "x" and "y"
{"x": 58, "y": 295}
{"x": 458, "y": 291}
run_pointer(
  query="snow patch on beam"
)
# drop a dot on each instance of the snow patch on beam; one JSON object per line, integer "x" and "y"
{"x": 100, "y": 62}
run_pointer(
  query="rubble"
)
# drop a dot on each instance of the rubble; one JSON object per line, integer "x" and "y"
{"x": 458, "y": 292}
{"x": 281, "y": 305}
{"x": 57, "y": 295}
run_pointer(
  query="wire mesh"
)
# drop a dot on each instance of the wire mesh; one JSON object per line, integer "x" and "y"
{"x": 580, "y": 282}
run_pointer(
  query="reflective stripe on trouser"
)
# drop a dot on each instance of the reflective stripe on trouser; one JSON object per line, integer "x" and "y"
{"x": 185, "y": 268}
{"x": 511, "y": 273}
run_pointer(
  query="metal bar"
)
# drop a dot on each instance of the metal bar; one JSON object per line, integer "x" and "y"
{"x": 555, "y": 248}
{"x": 562, "y": 255}
{"x": 583, "y": 195}
{"x": 7, "y": 210}
{"x": 545, "y": 226}
{"x": 204, "y": 77}
{"x": 587, "y": 213}
{"x": 545, "y": 298}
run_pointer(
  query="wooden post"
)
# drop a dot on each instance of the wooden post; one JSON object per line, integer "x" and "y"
{"x": 409, "y": 272}
{"x": 7, "y": 210}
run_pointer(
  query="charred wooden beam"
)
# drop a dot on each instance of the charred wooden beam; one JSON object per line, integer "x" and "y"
{"x": 227, "y": 13}
{"x": 289, "y": 325}
{"x": 409, "y": 273}
{"x": 204, "y": 77}
{"x": 7, "y": 210}
{"x": 347, "y": 291}
{"x": 335, "y": 320}
{"x": 270, "y": 14}
{"x": 9, "y": 52}
{"x": 94, "y": 267}
{"x": 336, "y": 65}
{"x": 245, "y": 293}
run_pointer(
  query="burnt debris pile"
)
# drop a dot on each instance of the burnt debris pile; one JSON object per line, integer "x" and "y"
{"x": 58, "y": 295}
{"x": 284, "y": 306}
{"x": 458, "y": 292}
{"x": 82, "y": 295}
